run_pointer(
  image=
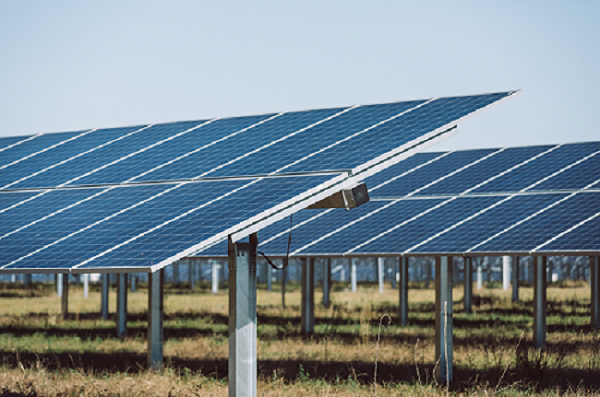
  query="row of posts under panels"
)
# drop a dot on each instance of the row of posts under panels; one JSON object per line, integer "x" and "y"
{"x": 444, "y": 271}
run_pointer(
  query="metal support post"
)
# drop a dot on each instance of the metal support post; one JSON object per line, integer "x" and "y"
{"x": 454, "y": 271}
{"x": 104, "y": 303}
{"x": 284, "y": 273}
{"x": 191, "y": 273}
{"x": 133, "y": 283}
{"x": 176, "y": 274}
{"x": 479, "y": 275}
{"x": 327, "y": 283}
{"x": 539, "y": 302}
{"x": 121, "y": 304}
{"x": 468, "y": 295}
{"x": 443, "y": 318}
{"x": 269, "y": 277}
{"x": 380, "y": 273}
{"x": 307, "y": 306}
{"x": 86, "y": 285}
{"x": 506, "y": 265}
{"x": 27, "y": 280}
{"x": 242, "y": 318}
{"x": 515, "y": 279}
{"x": 64, "y": 302}
{"x": 353, "y": 274}
{"x": 594, "y": 263}
{"x": 403, "y": 292}
{"x": 394, "y": 269}
{"x": 215, "y": 277}
{"x": 156, "y": 285}
{"x": 58, "y": 278}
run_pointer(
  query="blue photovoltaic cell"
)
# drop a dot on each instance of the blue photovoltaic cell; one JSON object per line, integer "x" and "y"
{"x": 348, "y": 238}
{"x": 51, "y": 229}
{"x": 478, "y": 173}
{"x": 542, "y": 167}
{"x": 161, "y": 154}
{"x": 203, "y": 162}
{"x": 319, "y": 227}
{"x": 195, "y": 227}
{"x": 55, "y": 156}
{"x": 576, "y": 177}
{"x": 543, "y": 227}
{"x": 584, "y": 238}
{"x": 314, "y": 139}
{"x": 113, "y": 152}
{"x": 33, "y": 146}
{"x": 429, "y": 173}
{"x": 484, "y": 226}
{"x": 9, "y": 199}
{"x": 43, "y": 205}
{"x": 428, "y": 225}
{"x": 395, "y": 133}
{"x": 11, "y": 140}
{"x": 374, "y": 182}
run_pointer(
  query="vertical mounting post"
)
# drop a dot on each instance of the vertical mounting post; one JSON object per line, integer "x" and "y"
{"x": 215, "y": 276}
{"x": 121, "y": 304}
{"x": 242, "y": 318}
{"x": 443, "y": 318}
{"x": 156, "y": 285}
{"x": 353, "y": 274}
{"x": 284, "y": 272}
{"x": 380, "y": 273}
{"x": 327, "y": 283}
{"x": 515, "y": 278}
{"x": 479, "y": 275}
{"x": 307, "y": 307}
{"x": 104, "y": 303}
{"x": 468, "y": 287}
{"x": 59, "y": 286}
{"x": 506, "y": 265}
{"x": 65, "y": 296}
{"x": 394, "y": 269}
{"x": 539, "y": 302}
{"x": 594, "y": 263}
{"x": 176, "y": 274}
{"x": 403, "y": 291}
{"x": 269, "y": 278}
{"x": 191, "y": 273}
{"x": 86, "y": 285}
{"x": 27, "y": 279}
{"x": 133, "y": 282}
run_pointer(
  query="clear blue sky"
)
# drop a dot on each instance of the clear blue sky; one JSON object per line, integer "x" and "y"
{"x": 70, "y": 65}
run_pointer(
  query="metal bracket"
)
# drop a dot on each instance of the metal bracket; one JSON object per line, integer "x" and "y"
{"x": 349, "y": 198}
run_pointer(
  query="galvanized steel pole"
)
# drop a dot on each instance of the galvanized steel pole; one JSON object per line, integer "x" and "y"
{"x": 468, "y": 287}
{"x": 443, "y": 318}
{"x": 121, "y": 304}
{"x": 403, "y": 292}
{"x": 539, "y": 302}
{"x": 307, "y": 306}
{"x": 242, "y": 318}
{"x": 594, "y": 263}
{"x": 327, "y": 283}
{"x": 515, "y": 278}
{"x": 156, "y": 285}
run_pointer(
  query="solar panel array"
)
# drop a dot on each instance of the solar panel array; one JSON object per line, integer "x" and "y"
{"x": 521, "y": 200}
{"x": 138, "y": 198}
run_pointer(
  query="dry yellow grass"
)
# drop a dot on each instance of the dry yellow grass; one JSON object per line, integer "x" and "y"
{"x": 47, "y": 356}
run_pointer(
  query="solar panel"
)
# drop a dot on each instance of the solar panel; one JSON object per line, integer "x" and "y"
{"x": 103, "y": 217}
{"x": 459, "y": 220}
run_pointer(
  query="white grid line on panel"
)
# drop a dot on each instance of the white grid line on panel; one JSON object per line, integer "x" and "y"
{"x": 20, "y": 142}
{"x": 347, "y": 225}
{"x": 275, "y": 142}
{"x": 454, "y": 172}
{"x": 205, "y": 147}
{"x": 74, "y": 157}
{"x": 514, "y": 167}
{"x": 354, "y": 135}
{"x": 370, "y": 167}
{"x": 46, "y": 149}
{"x": 399, "y": 225}
{"x": 583, "y": 222}
{"x": 562, "y": 170}
{"x": 24, "y": 201}
{"x": 410, "y": 171}
{"x": 165, "y": 222}
{"x": 94, "y": 223}
{"x": 137, "y": 152}
{"x": 304, "y": 222}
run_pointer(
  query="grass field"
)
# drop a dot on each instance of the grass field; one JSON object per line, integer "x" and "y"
{"x": 44, "y": 355}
